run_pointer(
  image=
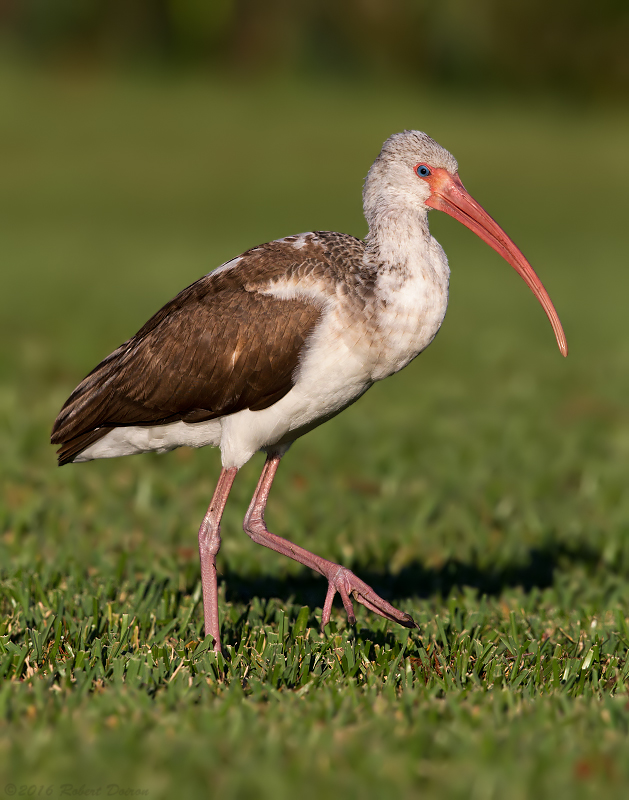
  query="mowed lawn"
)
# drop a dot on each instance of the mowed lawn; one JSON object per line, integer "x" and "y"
{"x": 483, "y": 489}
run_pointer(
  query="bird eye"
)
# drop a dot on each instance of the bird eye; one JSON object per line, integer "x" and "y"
{"x": 422, "y": 170}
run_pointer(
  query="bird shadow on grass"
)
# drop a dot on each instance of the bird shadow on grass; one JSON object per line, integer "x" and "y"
{"x": 416, "y": 580}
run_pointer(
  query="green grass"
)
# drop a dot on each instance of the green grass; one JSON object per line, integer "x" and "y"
{"x": 483, "y": 489}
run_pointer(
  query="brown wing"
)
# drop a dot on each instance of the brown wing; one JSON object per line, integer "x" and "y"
{"x": 219, "y": 347}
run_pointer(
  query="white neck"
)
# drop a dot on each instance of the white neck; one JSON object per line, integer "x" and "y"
{"x": 412, "y": 283}
{"x": 399, "y": 238}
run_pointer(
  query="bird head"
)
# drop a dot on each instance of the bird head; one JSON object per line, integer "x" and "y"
{"x": 414, "y": 172}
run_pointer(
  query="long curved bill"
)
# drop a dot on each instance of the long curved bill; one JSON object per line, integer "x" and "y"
{"x": 449, "y": 195}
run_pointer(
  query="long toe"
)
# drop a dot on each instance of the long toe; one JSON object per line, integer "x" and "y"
{"x": 347, "y": 584}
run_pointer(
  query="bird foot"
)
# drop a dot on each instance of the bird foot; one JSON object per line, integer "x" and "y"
{"x": 344, "y": 582}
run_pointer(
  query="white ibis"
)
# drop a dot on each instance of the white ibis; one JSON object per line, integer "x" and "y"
{"x": 282, "y": 338}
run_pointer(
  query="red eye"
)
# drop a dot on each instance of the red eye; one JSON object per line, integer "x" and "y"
{"x": 423, "y": 171}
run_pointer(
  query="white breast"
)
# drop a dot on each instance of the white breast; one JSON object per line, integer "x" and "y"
{"x": 412, "y": 306}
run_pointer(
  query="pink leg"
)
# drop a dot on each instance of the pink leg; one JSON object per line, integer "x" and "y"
{"x": 340, "y": 580}
{"x": 209, "y": 544}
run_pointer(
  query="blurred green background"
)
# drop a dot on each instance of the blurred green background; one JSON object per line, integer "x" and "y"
{"x": 144, "y": 143}
{"x": 568, "y": 45}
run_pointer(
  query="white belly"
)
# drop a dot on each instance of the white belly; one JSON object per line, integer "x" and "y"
{"x": 131, "y": 440}
{"x": 335, "y": 371}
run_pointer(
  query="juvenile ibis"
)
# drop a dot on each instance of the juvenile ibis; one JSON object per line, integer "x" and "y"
{"x": 282, "y": 338}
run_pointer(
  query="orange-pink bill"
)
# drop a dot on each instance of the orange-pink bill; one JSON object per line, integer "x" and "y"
{"x": 449, "y": 195}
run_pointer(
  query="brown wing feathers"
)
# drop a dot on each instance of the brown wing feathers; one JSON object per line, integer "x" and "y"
{"x": 214, "y": 350}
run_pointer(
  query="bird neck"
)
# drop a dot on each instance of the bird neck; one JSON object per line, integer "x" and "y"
{"x": 398, "y": 237}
